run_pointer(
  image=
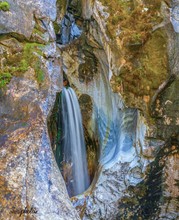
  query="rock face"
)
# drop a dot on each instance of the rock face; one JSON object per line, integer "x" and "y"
{"x": 20, "y": 19}
{"x": 125, "y": 72}
{"x": 136, "y": 122}
{"x": 31, "y": 184}
{"x": 69, "y": 31}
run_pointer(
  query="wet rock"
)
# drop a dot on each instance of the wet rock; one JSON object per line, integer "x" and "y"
{"x": 131, "y": 140}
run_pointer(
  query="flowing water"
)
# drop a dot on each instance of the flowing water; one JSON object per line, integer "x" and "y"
{"x": 74, "y": 165}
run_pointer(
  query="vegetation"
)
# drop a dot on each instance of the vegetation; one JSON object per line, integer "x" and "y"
{"x": 36, "y": 31}
{"x": 56, "y": 27}
{"x": 17, "y": 64}
{"x": 4, "y": 6}
{"x": 61, "y": 4}
{"x": 29, "y": 59}
{"x": 4, "y": 79}
{"x": 141, "y": 53}
{"x": 141, "y": 76}
{"x": 135, "y": 20}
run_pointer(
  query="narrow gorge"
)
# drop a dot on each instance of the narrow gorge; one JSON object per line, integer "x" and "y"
{"x": 89, "y": 109}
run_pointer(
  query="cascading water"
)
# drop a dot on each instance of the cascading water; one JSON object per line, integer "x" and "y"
{"x": 74, "y": 163}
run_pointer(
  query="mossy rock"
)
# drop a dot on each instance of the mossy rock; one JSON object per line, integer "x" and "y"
{"x": 4, "y": 6}
{"x": 5, "y": 78}
{"x": 56, "y": 27}
{"x": 18, "y": 63}
{"x": 147, "y": 69}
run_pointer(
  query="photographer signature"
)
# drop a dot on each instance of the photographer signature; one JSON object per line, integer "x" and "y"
{"x": 21, "y": 212}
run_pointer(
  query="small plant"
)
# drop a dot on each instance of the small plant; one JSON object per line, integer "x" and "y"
{"x": 4, "y": 79}
{"x": 4, "y": 6}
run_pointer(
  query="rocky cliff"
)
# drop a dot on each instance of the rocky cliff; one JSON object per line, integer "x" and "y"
{"x": 121, "y": 57}
{"x": 31, "y": 184}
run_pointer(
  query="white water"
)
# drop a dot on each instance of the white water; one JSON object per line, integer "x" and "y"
{"x": 74, "y": 150}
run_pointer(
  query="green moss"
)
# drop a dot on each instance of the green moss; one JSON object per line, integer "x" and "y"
{"x": 30, "y": 49}
{"x": 36, "y": 31}
{"x": 18, "y": 64}
{"x": 5, "y": 78}
{"x": 56, "y": 27}
{"x": 23, "y": 65}
{"x": 4, "y": 6}
{"x": 39, "y": 72}
{"x": 29, "y": 59}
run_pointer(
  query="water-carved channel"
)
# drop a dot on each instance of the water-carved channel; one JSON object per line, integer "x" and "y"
{"x": 75, "y": 152}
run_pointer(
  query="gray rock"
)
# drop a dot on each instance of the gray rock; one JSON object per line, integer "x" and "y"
{"x": 20, "y": 18}
{"x": 69, "y": 30}
{"x": 27, "y": 158}
{"x": 30, "y": 178}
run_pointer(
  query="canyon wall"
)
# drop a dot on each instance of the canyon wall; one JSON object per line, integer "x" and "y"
{"x": 123, "y": 56}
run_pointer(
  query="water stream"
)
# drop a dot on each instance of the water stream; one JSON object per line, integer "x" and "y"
{"x": 74, "y": 163}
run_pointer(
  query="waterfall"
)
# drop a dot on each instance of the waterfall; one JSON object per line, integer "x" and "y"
{"x": 74, "y": 164}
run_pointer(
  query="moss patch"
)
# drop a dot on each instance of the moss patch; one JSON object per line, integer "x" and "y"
{"x": 17, "y": 64}
{"x": 4, "y": 6}
{"x": 56, "y": 27}
{"x": 36, "y": 31}
{"x": 4, "y": 79}
{"x": 30, "y": 59}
